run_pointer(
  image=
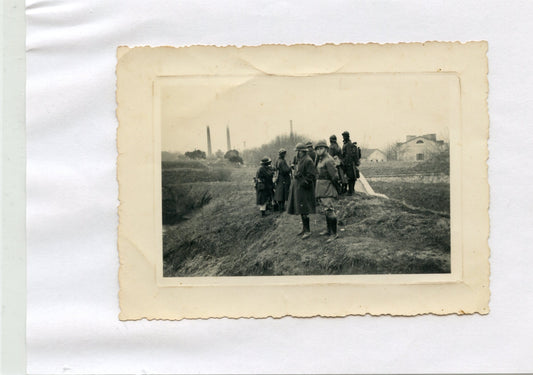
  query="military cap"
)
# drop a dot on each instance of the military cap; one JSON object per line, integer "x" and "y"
{"x": 282, "y": 151}
{"x": 300, "y": 147}
{"x": 345, "y": 133}
{"x": 321, "y": 144}
{"x": 309, "y": 144}
{"x": 333, "y": 137}
{"x": 266, "y": 160}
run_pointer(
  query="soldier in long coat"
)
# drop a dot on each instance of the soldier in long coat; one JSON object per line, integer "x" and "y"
{"x": 350, "y": 160}
{"x": 264, "y": 184}
{"x": 283, "y": 180}
{"x": 302, "y": 195}
{"x": 336, "y": 153}
{"x": 326, "y": 191}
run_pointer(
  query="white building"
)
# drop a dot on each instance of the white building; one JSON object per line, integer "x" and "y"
{"x": 373, "y": 155}
{"x": 419, "y": 148}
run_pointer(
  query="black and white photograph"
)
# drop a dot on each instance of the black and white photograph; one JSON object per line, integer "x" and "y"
{"x": 302, "y": 180}
{"x": 323, "y": 174}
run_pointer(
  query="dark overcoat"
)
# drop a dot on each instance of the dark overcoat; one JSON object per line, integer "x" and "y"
{"x": 283, "y": 182}
{"x": 302, "y": 193}
{"x": 335, "y": 150}
{"x": 350, "y": 154}
{"x": 265, "y": 184}
{"x": 312, "y": 155}
{"x": 350, "y": 160}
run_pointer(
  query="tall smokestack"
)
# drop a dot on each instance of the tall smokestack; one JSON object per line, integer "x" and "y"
{"x": 228, "y": 138}
{"x": 291, "y": 134}
{"x": 209, "y": 151}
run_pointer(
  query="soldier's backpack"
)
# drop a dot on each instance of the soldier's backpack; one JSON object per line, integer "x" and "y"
{"x": 357, "y": 153}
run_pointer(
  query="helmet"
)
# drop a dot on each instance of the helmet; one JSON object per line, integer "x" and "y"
{"x": 309, "y": 144}
{"x": 266, "y": 160}
{"x": 282, "y": 151}
{"x": 321, "y": 144}
{"x": 300, "y": 147}
{"x": 333, "y": 137}
{"x": 345, "y": 133}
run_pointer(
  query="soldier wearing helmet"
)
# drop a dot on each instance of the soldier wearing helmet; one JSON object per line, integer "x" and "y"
{"x": 283, "y": 180}
{"x": 264, "y": 185}
{"x": 336, "y": 153}
{"x": 302, "y": 195}
{"x": 350, "y": 159}
{"x": 326, "y": 187}
{"x": 311, "y": 151}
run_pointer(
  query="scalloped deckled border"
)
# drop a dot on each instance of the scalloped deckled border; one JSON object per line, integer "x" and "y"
{"x": 145, "y": 294}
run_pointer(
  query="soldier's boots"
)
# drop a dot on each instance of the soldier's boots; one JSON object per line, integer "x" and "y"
{"x": 333, "y": 225}
{"x": 306, "y": 228}
{"x": 351, "y": 186}
{"x": 303, "y": 227}
{"x": 328, "y": 231}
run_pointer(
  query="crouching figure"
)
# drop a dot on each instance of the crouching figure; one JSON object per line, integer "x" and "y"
{"x": 326, "y": 187}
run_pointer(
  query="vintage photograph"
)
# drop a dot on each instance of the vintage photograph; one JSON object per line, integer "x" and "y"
{"x": 303, "y": 180}
{"x": 321, "y": 174}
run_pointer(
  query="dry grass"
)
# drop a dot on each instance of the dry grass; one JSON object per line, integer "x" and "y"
{"x": 433, "y": 196}
{"x": 185, "y": 175}
{"x": 228, "y": 237}
{"x": 185, "y": 163}
{"x": 187, "y": 189}
{"x": 436, "y": 165}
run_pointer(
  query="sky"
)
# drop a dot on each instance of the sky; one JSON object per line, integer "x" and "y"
{"x": 377, "y": 109}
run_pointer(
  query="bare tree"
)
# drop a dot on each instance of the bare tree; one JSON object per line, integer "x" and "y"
{"x": 392, "y": 151}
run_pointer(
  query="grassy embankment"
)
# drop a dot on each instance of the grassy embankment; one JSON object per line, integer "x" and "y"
{"x": 228, "y": 237}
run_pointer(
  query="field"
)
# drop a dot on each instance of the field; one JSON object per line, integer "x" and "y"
{"x": 214, "y": 228}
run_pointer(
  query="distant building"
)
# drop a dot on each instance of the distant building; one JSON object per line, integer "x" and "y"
{"x": 373, "y": 155}
{"x": 419, "y": 148}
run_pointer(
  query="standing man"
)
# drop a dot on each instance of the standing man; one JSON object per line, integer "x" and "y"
{"x": 350, "y": 159}
{"x": 264, "y": 184}
{"x": 311, "y": 151}
{"x": 326, "y": 191}
{"x": 283, "y": 181}
{"x": 336, "y": 153}
{"x": 302, "y": 194}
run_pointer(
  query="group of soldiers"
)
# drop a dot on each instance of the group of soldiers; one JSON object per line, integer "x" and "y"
{"x": 316, "y": 176}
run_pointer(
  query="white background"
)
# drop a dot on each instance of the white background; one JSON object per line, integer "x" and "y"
{"x": 72, "y": 192}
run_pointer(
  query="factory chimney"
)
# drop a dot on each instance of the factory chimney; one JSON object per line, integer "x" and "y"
{"x": 228, "y": 138}
{"x": 209, "y": 151}
{"x": 291, "y": 133}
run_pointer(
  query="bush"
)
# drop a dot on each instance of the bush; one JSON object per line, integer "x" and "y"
{"x": 196, "y": 154}
{"x": 233, "y": 156}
